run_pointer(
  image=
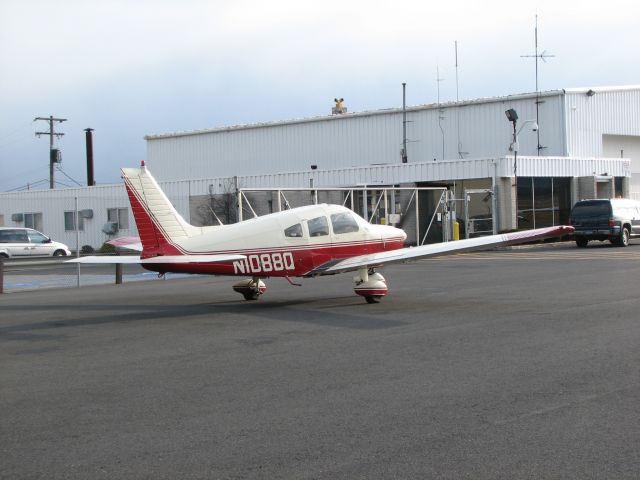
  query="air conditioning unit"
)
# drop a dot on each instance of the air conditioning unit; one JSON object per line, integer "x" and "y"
{"x": 88, "y": 213}
{"x": 110, "y": 228}
{"x": 17, "y": 217}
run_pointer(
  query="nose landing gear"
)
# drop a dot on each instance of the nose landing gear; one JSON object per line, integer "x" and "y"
{"x": 250, "y": 288}
{"x": 370, "y": 284}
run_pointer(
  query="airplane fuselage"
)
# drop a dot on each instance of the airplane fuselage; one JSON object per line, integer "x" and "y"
{"x": 285, "y": 244}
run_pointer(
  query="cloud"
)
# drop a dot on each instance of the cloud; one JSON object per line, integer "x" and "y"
{"x": 132, "y": 67}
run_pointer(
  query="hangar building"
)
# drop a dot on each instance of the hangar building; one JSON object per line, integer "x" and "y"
{"x": 586, "y": 145}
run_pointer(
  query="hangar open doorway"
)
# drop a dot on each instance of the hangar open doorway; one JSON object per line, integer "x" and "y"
{"x": 419, "y": 211}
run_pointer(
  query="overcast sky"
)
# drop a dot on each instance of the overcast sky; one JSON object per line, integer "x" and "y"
{"x": 130, "y": 68}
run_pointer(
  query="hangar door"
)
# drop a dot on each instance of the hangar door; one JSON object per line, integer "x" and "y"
{"x": 625, "y": 146}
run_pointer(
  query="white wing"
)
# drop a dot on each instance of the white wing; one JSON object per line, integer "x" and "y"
{"x": 438, "y": 249}
{"x": 158, "y": 260}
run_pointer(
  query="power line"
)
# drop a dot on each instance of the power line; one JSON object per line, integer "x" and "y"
{"x": 20, "y": 130}
{"x": 22, "y": 173}
{"x": 65, "y": 174}
{"x": 28, "y": 185}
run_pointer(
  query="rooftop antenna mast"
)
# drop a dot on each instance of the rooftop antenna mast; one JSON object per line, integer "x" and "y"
{"x": 542, "y": 56}
{"x": 403, "y": 153}
{"x": 460, "y": 152}
{"x": 440, "y": 111}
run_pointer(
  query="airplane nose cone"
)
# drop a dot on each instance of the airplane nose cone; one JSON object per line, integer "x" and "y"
{"x": 389, "y": 233}
{"x": 394, "y": 233}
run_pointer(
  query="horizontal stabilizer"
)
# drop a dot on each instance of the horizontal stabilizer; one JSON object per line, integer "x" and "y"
{"x": 173, "y": 259}
{"x": 127, "y": 243}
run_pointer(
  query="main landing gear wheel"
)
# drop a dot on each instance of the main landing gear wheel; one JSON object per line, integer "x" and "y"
{"x": 251, "y": 295}
{"x": 250, "y": 288}
{"x": 370, "y": 285}
{"x": 373, "y": 298}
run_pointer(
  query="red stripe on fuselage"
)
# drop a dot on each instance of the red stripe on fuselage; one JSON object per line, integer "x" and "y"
{"x": 265, "y": 263}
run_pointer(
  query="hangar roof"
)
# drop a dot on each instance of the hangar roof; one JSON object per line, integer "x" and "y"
{"x": 366, "y": 113}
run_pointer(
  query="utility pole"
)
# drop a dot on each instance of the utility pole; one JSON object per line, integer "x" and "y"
{"x": 53, "y": 153}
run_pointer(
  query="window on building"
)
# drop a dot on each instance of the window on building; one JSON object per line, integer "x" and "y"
{"x": 618, "y": 184}
{"x": 119, "y": 216}
{"x": 69, "y": 221}
{"x": 33, "y": 220}
{"x": 543, "y": 201}
{"x": 1, "y": 220}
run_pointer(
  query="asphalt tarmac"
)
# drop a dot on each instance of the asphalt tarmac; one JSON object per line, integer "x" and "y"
{"x": 521, "y": 363}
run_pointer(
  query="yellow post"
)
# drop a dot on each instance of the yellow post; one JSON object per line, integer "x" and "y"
{"x": 456, "y": 231}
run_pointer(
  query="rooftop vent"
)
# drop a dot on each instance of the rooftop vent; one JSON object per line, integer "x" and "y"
{"x": 339, "y": 109}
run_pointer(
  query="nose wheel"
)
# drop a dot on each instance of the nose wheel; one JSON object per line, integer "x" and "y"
{"x": 250, "y": 288}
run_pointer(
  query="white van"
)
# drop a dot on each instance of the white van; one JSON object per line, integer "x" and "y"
{"x": 26, "y": 242}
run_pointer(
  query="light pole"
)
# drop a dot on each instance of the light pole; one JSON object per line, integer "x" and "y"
{"x": 512, "y": 116}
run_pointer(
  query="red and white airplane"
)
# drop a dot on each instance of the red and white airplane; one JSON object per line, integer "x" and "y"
{"x": 300, "y": 242}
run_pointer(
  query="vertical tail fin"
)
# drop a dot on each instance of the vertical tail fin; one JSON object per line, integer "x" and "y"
{"x": 160, "y": 226}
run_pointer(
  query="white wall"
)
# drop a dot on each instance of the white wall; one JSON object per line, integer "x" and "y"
{"x": 629, "y": 147}
{"x": 609, "y": 111}
{"x": 358, "y": 139}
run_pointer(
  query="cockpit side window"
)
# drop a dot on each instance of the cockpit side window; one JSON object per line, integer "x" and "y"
{"x": 318, "y": 226}
{"x": 293, "y": 231}
{"x": 343, "y": 223}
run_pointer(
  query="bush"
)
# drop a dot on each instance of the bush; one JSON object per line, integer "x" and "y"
{"x": 107, "y": 249}
{"x": 86, "y": 250}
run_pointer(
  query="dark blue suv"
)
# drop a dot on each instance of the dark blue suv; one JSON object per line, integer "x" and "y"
{"x": 616, "y": 220}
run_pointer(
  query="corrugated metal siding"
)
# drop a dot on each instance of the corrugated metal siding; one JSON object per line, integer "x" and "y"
{"x": 571, "y": 167}
{"x": 53, "y": 203}
{"x": 356, "y": 140}
{"x": 613, "y": 112}
{"x": 423, "y": 172}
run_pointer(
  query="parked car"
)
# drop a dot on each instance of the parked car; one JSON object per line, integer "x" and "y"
{"x": 616, "y": 220}
{"x": 26, "y": 242}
